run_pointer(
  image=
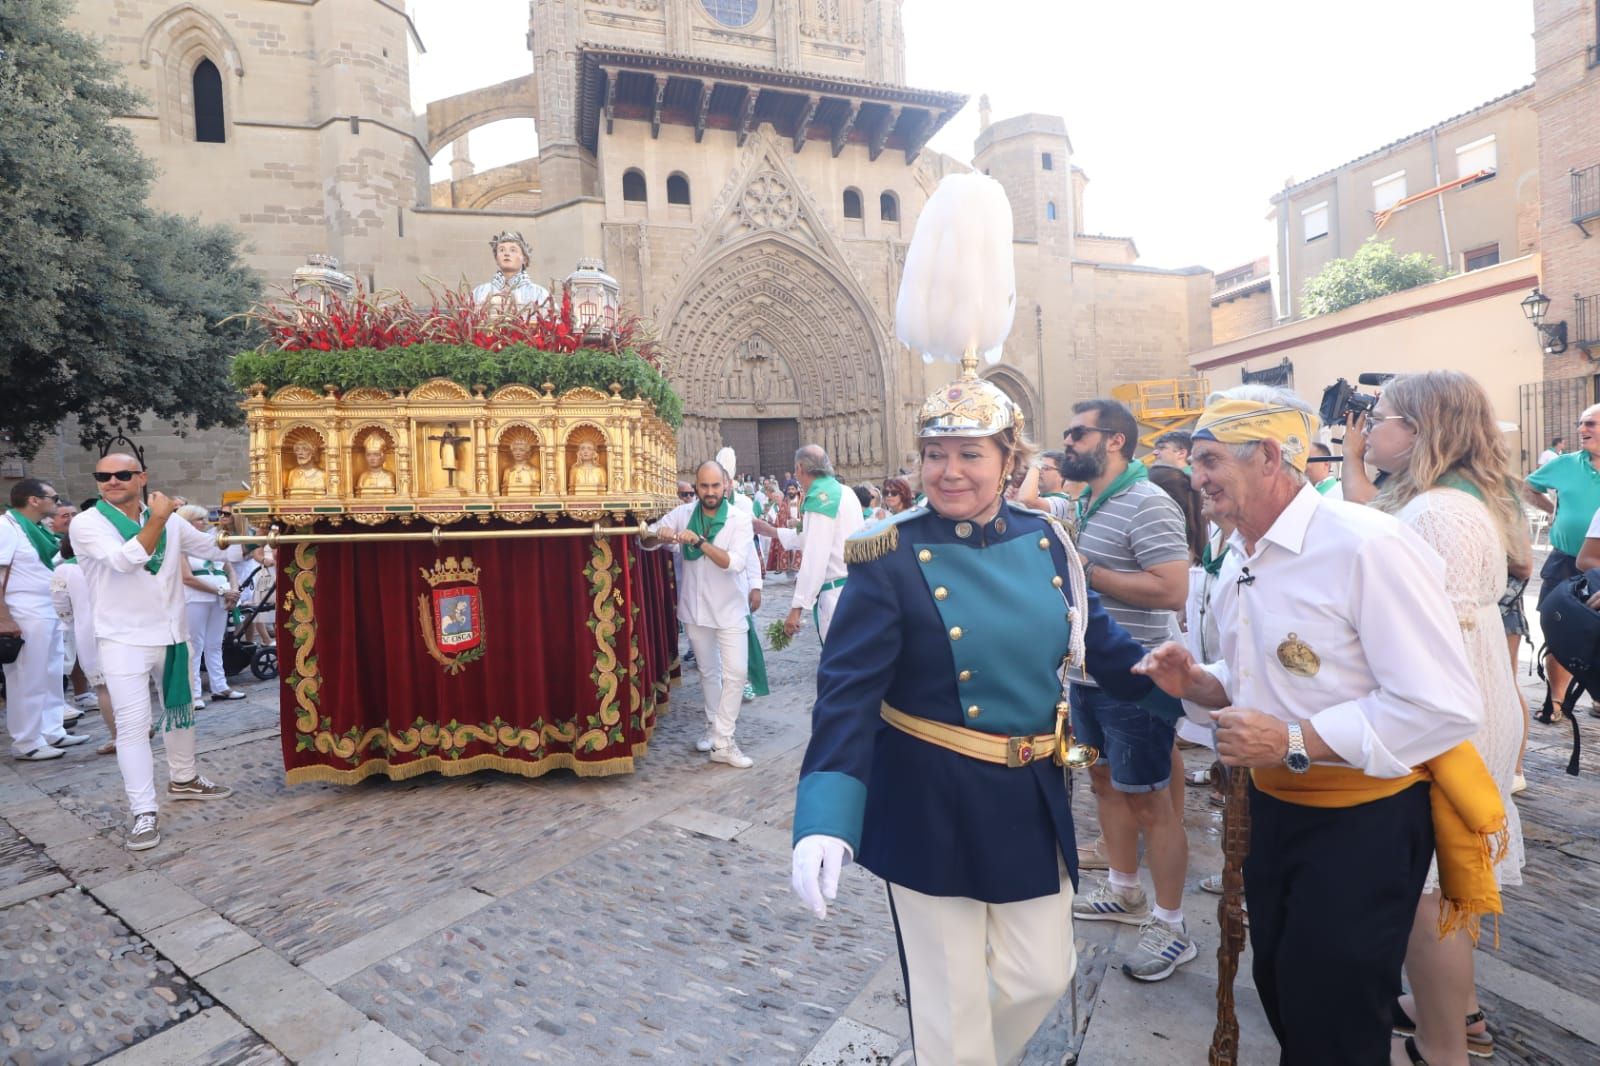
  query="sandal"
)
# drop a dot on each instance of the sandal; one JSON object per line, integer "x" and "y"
{"x": 1198, "y": 777}
{"x": 1479, "y": 1045}
{"x": 1413, "y": 1054}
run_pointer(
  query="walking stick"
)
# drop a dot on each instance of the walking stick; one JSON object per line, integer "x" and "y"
{"x": 1230, "y": 912}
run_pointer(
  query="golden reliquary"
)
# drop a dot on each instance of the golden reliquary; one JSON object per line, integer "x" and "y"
{"x": 442, "y": 453}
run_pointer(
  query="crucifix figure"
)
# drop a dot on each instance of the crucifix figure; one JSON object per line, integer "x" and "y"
{"x": 447, "y": 452}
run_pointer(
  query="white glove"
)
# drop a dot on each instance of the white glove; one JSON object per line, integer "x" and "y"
{"x": 815, "y": 875}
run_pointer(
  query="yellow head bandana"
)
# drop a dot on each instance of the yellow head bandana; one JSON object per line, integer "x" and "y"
{"x": 1243, "y": 421}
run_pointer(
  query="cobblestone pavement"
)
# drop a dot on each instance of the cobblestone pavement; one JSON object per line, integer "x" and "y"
{"x": 493, "y": 919}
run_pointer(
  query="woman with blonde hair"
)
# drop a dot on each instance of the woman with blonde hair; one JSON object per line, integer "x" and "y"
{"x": 1436, "y": 437}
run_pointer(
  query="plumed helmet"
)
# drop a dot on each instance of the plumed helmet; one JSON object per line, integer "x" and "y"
{"x": 513, "y": 237}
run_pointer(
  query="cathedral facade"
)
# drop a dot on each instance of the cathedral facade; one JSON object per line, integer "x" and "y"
{"x": 749, "y": 170}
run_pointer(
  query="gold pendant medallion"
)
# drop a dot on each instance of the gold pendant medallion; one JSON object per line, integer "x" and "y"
{"x": 1298, "y": 658}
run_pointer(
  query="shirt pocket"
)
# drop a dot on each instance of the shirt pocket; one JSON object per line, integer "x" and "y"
{"x": 1302, "y": 655}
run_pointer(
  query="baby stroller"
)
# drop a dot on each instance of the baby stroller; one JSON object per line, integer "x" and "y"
{"x": 239, "y": 651}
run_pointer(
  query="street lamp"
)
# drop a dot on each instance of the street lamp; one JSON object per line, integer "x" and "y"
{"x": 594, "y": 299}
{"x": 1554, "y": 338}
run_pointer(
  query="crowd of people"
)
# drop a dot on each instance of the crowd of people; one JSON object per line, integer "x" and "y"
{"x": 111, "y": 603}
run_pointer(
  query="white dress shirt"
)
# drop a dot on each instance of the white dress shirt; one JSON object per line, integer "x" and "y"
{"x": 709, "y": 595}
{"x": 1393, "y": 688}
{"x": 132, "y": 605}
{"x": 752, "y": 563}
{"x": 821, "y": 539}
{"x": 28, "y": 586}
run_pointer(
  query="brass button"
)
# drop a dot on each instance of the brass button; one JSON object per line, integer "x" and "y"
{"x": 963, "y": 530}
{"x": 1056, "y": 581}
{"x": 955, "y": 632}
{"x": 999, "y": 525}
{"x": 941, "y": 593}
{"x": 974, "y": 711}
{"x": 965, "y": 675}
{"x": 1044, "y": 543}
{"x": 924, "y": 556}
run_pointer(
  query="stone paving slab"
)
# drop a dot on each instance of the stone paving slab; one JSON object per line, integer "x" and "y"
{"x": 849, "y": 1043}
{"x": 21, "y": 861}
{"x": 147, "y": 900}
{"x": 287, "y": 1006}
{"x": 78, "y": 985}
{"x": 201, "y": 942}
{"x": 439, "y": 913}
{"x": 371, "y": 1045}
{"x": 196, "y": 1040}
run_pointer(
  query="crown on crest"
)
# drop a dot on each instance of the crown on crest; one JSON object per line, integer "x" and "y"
{"x": 451, "y": 572}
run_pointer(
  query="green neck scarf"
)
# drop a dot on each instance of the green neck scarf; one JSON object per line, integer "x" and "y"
{"x": 44, "y": 542}
{"x": 1210, "y": 565}
{"x": 705, "y": 526}
{"x": 1326, "y": 485}
{"x": 823, "y": 497}
{"x": 176, "y": 696}
{"x": 1054, "y": 496}
{"x": 1454, "y": 480}
{"x": 129, "y": 529}
{"x": 1088, "y": 503}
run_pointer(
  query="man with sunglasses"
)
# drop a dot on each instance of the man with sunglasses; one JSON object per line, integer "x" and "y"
{"x": 131, "y": 555}
{"x": 34, "y": 703}
{"x": 1136, "y": 556}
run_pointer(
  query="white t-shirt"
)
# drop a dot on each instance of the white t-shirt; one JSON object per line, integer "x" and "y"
{"x": 1547, "y": 455}
{"x": 28, "y": 587}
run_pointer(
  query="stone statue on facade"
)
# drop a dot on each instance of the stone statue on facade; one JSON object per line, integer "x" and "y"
{"x": 511, "y": 287}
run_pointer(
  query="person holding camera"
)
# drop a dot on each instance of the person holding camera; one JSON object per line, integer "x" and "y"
{"x": 1575, "y": 479}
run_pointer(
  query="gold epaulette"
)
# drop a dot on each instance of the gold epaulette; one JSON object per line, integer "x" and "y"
{"x": 864, "y": 548}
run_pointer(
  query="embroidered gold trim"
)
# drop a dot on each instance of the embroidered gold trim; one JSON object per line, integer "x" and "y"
{"x": 865, "y": 549}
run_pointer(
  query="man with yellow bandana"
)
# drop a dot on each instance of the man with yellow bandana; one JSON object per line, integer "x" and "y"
{"x": 1344, "y": 686}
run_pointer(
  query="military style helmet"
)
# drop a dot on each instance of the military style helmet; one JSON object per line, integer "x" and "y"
{"x": 967, "y": 407}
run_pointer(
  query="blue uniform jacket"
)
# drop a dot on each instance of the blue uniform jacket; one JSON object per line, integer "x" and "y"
{"x": 968, "y": 630}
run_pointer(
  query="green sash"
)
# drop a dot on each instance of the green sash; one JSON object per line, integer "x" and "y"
{"x": 708, "y": 528}
{"x": 44, "y": 542}
{"x": 1454, "y": 480}
{"x": 1088, "y": 504}
{"x": 757, "y": 675}
{"x": 1210, "y": 565}
{"x": 823, "y": 497}
{"x": 1326, "y": 485}
{"x": 176, "y": 696}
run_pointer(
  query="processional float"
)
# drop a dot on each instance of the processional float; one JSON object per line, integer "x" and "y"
{"x": 453, "y": 494}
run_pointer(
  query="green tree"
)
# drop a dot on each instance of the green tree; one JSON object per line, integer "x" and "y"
{"x": 1375, "y": 270}
{"x": 108, "y": 310}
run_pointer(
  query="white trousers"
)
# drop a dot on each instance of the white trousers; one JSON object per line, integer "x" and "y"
{"x": 983, "y": 976}
{"x": 723, "y": 656}
{"x": 826, "y": 602}
{"x": 130, "y": 669}
{"x": 33, "y": 686}
{"x": 208, "y": 621}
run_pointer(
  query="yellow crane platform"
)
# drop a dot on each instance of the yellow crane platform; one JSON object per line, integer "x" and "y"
{"x": 1163, "y": 404}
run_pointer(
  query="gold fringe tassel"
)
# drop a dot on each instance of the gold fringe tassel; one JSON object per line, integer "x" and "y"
{"x": 865, "y": 549}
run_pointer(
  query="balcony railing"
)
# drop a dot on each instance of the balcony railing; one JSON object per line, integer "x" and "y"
{"x": 1585, "y": 195}
{"x": 1588, "y": 322}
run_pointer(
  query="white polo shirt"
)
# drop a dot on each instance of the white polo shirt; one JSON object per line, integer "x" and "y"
{"x": 28, "y": 587}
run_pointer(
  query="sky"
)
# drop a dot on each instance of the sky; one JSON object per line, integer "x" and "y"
{"x": 1186, "y": 116}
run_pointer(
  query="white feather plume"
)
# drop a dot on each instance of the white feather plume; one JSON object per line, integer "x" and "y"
{"x": 959, "y": 288}
{"x": 726, "y": 460}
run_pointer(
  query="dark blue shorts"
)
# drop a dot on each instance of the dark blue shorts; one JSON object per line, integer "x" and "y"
{"x": 1135, "y": 744}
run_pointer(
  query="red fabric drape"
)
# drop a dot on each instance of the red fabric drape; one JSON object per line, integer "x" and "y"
{"x": 361, "y": 693}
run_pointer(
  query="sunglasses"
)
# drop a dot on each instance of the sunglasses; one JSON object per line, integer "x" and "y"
{"x": 104, "y": 476}
{"x": 686, "y": 495}
{"x": 224, "y": 514}
{"x": 1077, "y": 433}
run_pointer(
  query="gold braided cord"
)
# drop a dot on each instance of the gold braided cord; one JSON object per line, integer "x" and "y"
{"x": 867, "y": 548}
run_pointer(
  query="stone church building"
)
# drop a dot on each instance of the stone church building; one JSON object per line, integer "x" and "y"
{"x": 750, "y": 171}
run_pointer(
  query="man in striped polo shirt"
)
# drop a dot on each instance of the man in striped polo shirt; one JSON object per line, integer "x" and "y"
{"x": 1131, "y": 536}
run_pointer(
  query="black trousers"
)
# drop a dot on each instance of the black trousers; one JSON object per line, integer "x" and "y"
{"x": 1332, "y": 897}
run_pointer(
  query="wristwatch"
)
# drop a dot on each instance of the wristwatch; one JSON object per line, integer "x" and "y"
{"x": 1297, "y": 760}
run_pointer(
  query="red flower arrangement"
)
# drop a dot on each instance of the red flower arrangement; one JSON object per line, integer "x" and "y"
{"x": 391, "y": 320}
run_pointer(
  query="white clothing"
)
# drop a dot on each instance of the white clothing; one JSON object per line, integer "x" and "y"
{"x": 723, "y": 656}
{"x": 69, "y": 592}
{"x": 972, "y": 1006}
{"x": 1547, "y": 455}
{"x": 207, "y": 623}
{"x": 132, "y": 605}
{"x": 523, "y": 289}
{"x": 130, "y": 670}
{"x": 216, "y": 581}
{"x": 1462, "y": 531}
{"x": 752, "y": 565}
{"x": 1392, "y": 688}
{"x": 28, "y": 586}
{"x": 33, "y": 684}
{"x": 821, "y": 540}
{"x": 709, "y": 595}
{"x": 1594, "y": 526}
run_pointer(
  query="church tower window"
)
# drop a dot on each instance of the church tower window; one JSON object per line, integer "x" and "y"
{"x": 733, "y": 13}
{"x": 852, "y": 203}
{"x": 677, "y": 189}
{"x": 633, "y": 186}
{"x": 1050, "y": 211}
{"x": 889, "y": 207}
{"x": 208, "y": 121}
{"x": 1047, "y": 161}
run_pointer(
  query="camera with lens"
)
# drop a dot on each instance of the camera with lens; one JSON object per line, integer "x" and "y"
{"x": 1342, "y": 399}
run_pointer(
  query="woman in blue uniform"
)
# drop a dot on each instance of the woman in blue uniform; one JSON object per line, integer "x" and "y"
{"x": 938, "y": 732}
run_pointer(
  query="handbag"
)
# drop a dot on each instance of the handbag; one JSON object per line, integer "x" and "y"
{"x": 10, "y": 647}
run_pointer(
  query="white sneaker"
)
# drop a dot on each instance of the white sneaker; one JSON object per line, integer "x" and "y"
{"x": 733, "y": 757}
{"x": 1162, "y": 949}
{"x": 704, "y": 744}
{"x": 199, "y": 705}
{"x": 39, "y": 754}
{"x": 87, "y": 702}
{"x": 1519, "y": 784}
{"x": 70, "y": 740}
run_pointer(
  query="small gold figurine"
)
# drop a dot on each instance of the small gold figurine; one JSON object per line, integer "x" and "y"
{"x": 375, "y": 480}
{"x": 587, "y": 475}
{"x": 521, "y": 478}
{"x": 305, "y": 478}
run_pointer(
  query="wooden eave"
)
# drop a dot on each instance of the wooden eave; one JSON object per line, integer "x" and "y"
{"x": 702, "y": 94}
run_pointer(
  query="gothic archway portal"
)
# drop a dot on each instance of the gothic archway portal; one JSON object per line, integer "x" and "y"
{"x": 768, "y": 333}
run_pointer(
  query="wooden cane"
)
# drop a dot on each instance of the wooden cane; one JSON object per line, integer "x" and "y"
{"x": 1230, "y": 912}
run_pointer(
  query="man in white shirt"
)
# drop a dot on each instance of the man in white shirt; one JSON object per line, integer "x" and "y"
{"x": 830, "y": 515}
{"x": 33, "y": 682}
{"x": 1341, "y": 669}
{"x": 714, "y": 539}
{"x": 132, "y": 555}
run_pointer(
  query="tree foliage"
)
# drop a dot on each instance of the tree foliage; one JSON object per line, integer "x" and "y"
{"x": 1375, "y": 270}
{"x": 108, "y": 309}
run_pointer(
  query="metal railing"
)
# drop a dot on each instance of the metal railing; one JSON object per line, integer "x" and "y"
{"x": 1585, "y": 195}
{"x": 1547, "y": 409}
{"x": 1587, "y": 321}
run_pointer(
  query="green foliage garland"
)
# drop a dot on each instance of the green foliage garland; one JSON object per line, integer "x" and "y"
{"x": 1375, "y": 270}
{"x": 406, "y": 368}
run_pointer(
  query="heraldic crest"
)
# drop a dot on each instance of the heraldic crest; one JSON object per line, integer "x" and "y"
{"x": 452, "y": 613}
